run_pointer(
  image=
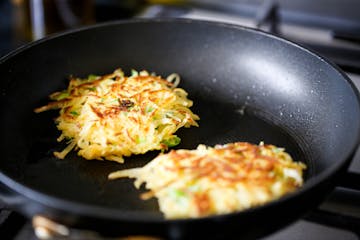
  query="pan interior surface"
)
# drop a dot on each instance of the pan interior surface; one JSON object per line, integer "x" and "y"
{"x": 246, "y": 86}
{"x": 84, "y": 181}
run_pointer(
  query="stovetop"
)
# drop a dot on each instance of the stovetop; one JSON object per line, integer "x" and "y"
{"x": 338, "y": 217}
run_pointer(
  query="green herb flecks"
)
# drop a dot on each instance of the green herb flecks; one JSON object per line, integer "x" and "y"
{"x": 74, "y": 113}
{"x": 92, "y": 77}
{"x": 177, "y": 193}
{"x": 134, "y": 73}
{"x": 149, "y": 109}
{"x": 140, "y": 140}
{"x": 60, "y": 96}
{"x": 179, "y": 196}
{"x": 92, "y": 89}
{"x": 171, "y": 142}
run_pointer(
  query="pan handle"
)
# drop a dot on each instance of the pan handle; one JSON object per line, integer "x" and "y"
{"x": 9, "y": 197}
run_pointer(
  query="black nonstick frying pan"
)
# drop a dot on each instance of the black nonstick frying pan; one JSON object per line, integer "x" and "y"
{"x": 246, "y": 86}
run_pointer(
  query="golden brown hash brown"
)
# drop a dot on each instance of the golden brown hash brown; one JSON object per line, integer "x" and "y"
{"x": 111, "y": 116}
{"x": 217, "y": 180}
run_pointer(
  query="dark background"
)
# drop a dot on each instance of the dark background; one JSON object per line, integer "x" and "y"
{"x": 340, "y": 17}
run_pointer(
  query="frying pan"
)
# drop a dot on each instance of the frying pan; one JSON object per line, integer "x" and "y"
{"x": 246, "y": 85}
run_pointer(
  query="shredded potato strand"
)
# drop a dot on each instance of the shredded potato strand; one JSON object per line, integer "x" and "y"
{"x": 112, "y": 116}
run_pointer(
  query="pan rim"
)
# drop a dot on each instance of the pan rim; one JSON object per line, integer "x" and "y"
{"x": 109, "y": 213}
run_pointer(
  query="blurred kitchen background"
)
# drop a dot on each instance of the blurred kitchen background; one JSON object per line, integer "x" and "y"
{"x": 22, "y": 21}
{"x": 329, "y": 27}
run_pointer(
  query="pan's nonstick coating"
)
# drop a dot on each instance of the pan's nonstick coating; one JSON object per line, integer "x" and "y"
{"x": 246, "y": 86}
{"x": 77, "y": 179}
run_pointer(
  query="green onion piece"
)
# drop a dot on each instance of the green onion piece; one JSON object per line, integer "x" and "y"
{"x": 139, "y": 140}
{"x": 277, "y": 150}
{"x": 92, "y": 77}
{"x": 171, "y": 142}
{"x": 75, "y": 113}
{"x": 149, "y": 109}
{"x": 134, "y": 73}
{"x": 61, "y": 96}
{"x": 177, "y": 193}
